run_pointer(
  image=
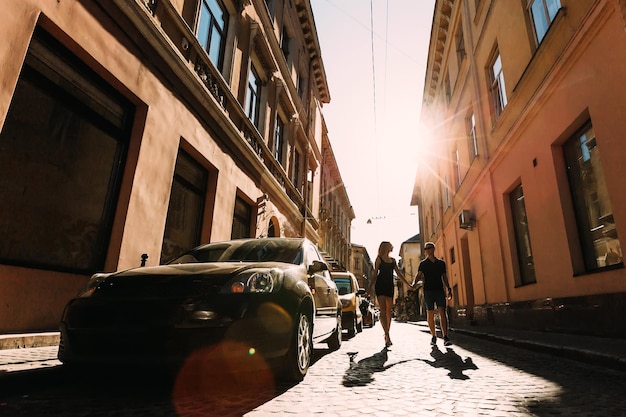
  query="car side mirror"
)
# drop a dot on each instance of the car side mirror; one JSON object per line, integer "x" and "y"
{"x": 361, "y": 291}
{"x": 317, "y": 266}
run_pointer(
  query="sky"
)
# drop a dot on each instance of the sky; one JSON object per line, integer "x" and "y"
{"x": 374, "y": 54}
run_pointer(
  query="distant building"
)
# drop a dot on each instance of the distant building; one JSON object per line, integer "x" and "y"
{"x": 409, "y": 302}
{"x": 411, "y": 254}
{"x": 522, "y": 185}
{"x": 362, "y": 265}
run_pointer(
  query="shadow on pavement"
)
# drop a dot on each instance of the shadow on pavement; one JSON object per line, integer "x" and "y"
{"x": 362, "y": 372}
{"x": 451, "y": 361}
{"x": 581, "y": 388}
{"x": 195, "y": 392}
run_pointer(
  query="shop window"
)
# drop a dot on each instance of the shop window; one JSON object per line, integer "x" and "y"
{"x": 594, "y": 213}
{"x": 242, "y": 219}
{"x": 522, "y": 237}
{"x": 186, "y": 208}
{"x": 62, "y": 154}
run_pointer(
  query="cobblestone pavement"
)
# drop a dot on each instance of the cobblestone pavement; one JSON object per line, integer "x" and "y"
{"x": 474, "y": 377}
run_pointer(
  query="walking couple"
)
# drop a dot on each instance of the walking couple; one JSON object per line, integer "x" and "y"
{"x": 431, "y": 270}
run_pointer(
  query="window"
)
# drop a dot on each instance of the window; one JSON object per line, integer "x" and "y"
{"x": 309, "y": 191}
{"x": 457, "y": 167}
{"x": 471, "y": 136}
{"x": 357, "y": 264}
{"x": 284, "y": 43}
{"x": 242, "y": 219}
{"x": 498, "y": 89}
{"x": 542, "y": 13}
{"x": 279, "y": 140}
{"x": 596, "y": 226}
{"x": 447, "y": 89}
{"x": 452, "y": 255}
{"x": 212, "y": 30}
{"x": 432, "y": 220}
{"x": 295, "y": 174}
{"x": 186, "y": 208}
{"x": 446, "y": 192}
{"x": 62, "y": 155}
{"x": 302, "y": 88}
{"x": 270, "y": 7}
{"x": 460, "y": 45}
{"x": 522, "y": 237}
{"x": 253, "y": 97}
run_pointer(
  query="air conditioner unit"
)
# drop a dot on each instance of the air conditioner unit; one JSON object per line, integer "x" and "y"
{"x": 465, "y": 220}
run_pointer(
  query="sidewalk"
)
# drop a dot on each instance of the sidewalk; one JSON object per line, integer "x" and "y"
{"x": 38, "y": 350}
{"x": 609, "y": 352}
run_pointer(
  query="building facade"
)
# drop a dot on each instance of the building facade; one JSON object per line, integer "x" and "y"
{"x": 521, "y": 187}
{"x": 132, "y": 130}
{"x": 336, "y": 212}
{"x": 361, "y": 265}
{"x": 411, "y": 254}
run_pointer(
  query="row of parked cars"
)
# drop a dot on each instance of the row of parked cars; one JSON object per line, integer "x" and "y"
{"x": 246, "y": 302}
{"x": 357, "y": 309}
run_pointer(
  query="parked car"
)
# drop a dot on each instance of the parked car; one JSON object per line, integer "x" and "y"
{"x": 272, "y": 297}
{"x": 369, "y": 311}
{"x": 350, "y": 296}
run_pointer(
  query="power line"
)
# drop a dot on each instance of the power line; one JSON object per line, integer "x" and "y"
{"x": 376, "y": 178}
{"x": 376, "y": 142}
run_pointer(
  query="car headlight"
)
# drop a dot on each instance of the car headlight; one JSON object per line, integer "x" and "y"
{"x": 92, "y": 284}
{"x": 256, "y": 281}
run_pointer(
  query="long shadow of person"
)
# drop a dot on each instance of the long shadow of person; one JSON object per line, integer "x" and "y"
{"x": 362, "y": 372}
{"x": 451, "y": 361}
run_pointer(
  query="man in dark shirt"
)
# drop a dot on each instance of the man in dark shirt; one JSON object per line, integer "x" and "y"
{"x": 432, "y": 271}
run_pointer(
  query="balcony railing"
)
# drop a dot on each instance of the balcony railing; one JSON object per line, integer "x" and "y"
{"x": 163, "y": 24}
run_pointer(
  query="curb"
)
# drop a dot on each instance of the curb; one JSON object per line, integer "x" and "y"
{"x": 577, "y": 354}
{"x": 34, "y": 340}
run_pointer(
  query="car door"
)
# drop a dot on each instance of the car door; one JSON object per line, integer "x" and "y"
{"x": 325, "y": 296}
{"x": 357, "y": 296}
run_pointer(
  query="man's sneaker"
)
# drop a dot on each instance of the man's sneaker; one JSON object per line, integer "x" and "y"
{"x": 433, "y": 341}
{"x": 446, "y": 341}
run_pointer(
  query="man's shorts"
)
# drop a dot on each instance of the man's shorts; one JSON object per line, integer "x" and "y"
{"x": 434, "y": 297}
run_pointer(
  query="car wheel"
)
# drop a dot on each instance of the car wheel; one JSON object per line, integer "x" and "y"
{"x": 334, "y": 342}
{"x": 300, "y": 351}
{"x": 352, "y": 329}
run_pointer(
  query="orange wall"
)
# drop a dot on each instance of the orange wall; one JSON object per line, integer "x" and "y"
{"x": 34, "y": 300}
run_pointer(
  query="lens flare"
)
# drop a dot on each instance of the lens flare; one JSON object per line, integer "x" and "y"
{"x": 219, "y": 375}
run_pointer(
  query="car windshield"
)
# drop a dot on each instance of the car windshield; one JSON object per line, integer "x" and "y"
{"x": 258, "y": 250}
{"x": 343, "y": 285}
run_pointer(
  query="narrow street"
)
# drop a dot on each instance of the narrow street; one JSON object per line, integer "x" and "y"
{"x": 474, "y": 377}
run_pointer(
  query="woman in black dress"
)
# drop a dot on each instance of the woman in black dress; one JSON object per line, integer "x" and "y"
{"x": 384, "y": 268}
